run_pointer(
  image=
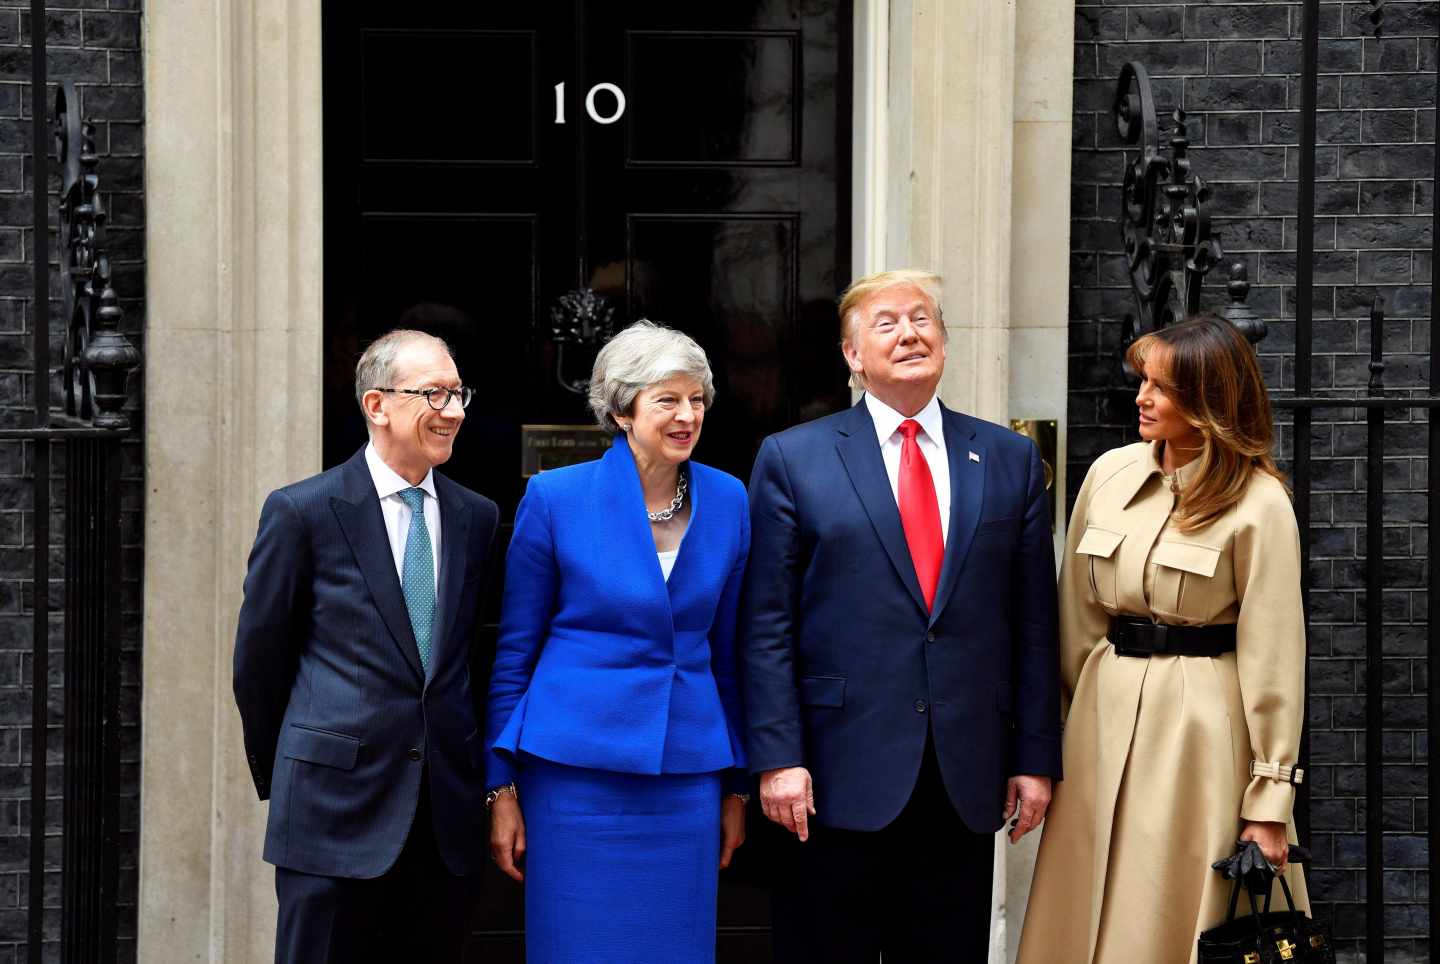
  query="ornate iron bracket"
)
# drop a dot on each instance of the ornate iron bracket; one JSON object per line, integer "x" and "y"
{"x": 1164, "y": 222}
{"x": 98, "y": 358}
{"x": 584, "y": 319}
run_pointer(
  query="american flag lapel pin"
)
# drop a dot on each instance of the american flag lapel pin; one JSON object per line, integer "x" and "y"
{"x": 974, "y": 458}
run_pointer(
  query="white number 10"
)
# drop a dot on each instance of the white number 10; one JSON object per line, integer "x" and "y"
{"x": 616, "y": 92}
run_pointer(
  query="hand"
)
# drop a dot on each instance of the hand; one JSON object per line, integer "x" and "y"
{"x": 788, "y": 798}
{"x": 507, "y": 835}
{"x": 732, "y": 827}
{"x": 1032, "y": 794}
{"x": 1272, "y": 840}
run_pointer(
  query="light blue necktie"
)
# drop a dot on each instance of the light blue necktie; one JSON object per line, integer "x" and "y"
{"x": 417, "y": 574}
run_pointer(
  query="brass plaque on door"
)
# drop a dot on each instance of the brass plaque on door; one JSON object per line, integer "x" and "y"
{"x": 551, "y": 446}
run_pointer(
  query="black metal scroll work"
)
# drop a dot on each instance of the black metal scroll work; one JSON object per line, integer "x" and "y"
{"x": 98, "y": 358}
{"x": 584, "y": 319}
{"x": 1163, "y": 217}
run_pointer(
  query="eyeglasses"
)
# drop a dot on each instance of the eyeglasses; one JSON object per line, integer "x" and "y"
{"x": 436, "y": 398}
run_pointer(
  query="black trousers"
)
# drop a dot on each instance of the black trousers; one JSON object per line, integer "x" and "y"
{"x": 415, "y": 913}
{"x": 917, "y": 891}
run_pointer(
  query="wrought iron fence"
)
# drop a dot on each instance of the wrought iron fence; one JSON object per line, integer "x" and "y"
{"x": 1170, "y": 250}
{"x": 95, "y": 368}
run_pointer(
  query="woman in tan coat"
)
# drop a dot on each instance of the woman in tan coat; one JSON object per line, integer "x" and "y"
{"x": 1170, "y": 759}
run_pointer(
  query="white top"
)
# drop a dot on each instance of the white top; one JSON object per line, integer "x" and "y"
{"x": 389, "y": 485}
{"x": 667, "y": 561}
{"x": 930, "y": 438}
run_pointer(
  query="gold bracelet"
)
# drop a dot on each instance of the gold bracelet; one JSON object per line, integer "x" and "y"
{"x": 499, "y": 792}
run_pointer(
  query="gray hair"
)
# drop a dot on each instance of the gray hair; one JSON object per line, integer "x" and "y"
{"x": 638, "y": 357}
{"x": 376, "y": 368}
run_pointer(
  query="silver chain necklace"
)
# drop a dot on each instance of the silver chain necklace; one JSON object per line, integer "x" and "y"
{"x": 665, "y": 515}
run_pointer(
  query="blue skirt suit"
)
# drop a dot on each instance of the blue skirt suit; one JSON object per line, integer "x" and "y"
{"x": 614, "y": 708}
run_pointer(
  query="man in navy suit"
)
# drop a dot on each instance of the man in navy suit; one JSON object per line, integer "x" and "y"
{"x": 353, "y": 681}
{"x": 901, "y": 651}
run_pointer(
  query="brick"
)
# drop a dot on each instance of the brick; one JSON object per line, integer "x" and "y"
{"x": 1391, "y": 54}
{"x": 1235, "y": 57}
{"x": 1388, "y": 127}
{"x": 1161, "y": 59}
{"x": 1099, "y": 23}
{"x": 1227, "y": 93}
{"x": 1391, "y": 161}
{"x": 1387, "y": 91}
{"x": 1227, "y": 129}
{"x": 1387, "y": 232}
{"x": 1225, "y": 21}
{"x": 1156, "y": 23}
{"x": 115, "y": 30}
{"x": 1387, "y": 197}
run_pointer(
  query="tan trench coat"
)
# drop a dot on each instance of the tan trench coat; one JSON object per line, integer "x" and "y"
{"x": 1158, "y": 752}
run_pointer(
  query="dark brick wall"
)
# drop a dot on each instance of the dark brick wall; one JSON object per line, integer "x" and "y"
{"x": 1233, "y": 66}
{"x": 97, "y": 44}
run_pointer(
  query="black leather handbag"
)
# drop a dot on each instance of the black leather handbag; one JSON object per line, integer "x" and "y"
{"x": 1266, "y": 936}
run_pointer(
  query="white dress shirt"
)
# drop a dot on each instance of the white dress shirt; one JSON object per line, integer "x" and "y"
{"x": 931, "y": 439}
{"x": 389, "y": 485}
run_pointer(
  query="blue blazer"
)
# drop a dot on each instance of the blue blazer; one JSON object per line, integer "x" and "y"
{"x": 600, "y": 662}
{"x": 846, "y": 673}
{"x": 339, "y": 719}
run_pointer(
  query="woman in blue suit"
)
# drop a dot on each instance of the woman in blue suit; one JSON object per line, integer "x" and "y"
{"x": 617, "y": 761}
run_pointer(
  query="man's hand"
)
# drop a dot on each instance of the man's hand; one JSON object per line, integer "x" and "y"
{"x": 507, "y": 835}
{"x": 732, "y": 827}
{"x": 788, "y": 798}
{"x": 1033, "y": 796}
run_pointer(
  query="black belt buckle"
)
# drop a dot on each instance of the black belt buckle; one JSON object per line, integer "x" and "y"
{"x": 1159, "y": 638}
{"x": 1122, "y": 635}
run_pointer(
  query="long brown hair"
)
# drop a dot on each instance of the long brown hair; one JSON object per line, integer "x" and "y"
{"x": 1208, "y": 371}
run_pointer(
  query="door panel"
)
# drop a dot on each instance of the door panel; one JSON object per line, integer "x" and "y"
{"x": 718, "y": 204}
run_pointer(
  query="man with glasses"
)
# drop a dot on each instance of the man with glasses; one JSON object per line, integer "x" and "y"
{"x": 352, "y": 677}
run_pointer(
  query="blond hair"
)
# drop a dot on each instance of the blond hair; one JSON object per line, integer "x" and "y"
{"x": 1210, "y": 374}
{"x": 862, "y": 288}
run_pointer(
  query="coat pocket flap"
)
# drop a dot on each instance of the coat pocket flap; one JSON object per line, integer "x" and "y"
{"x": 1188, "y": 556}
{"x": 322, "y": 747}
{"x": 822, "y": 690}
{"x": 1099, "y": 542}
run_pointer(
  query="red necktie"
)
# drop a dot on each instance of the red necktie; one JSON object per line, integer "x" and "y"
{"x": 920, "y": 513}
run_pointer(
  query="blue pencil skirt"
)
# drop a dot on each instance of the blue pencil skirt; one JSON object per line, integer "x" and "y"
{"x": 620, "y": 868}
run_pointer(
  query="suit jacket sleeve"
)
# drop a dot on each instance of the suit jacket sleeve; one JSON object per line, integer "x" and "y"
{"x": 770, "y": 617}
{"x": 1035, "y": 740}
{"x": 277, "y": 586}
{"x": 724, "y": 660}
{"x": 532, "y": 582}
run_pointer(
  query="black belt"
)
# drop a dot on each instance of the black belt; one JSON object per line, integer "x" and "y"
{"x": 1140, "y": 637}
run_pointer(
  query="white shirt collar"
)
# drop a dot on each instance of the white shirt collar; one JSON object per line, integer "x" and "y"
{"x": 887, "y": 420}
{"x": 388, "y": 481}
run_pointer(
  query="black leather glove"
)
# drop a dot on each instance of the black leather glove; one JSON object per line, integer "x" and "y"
{"x": 1249, "y": 866}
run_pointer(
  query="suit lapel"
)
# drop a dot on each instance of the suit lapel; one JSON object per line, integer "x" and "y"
{"x": 358, "y": 512}
{"x": 967, "y": 495}
{"x": 860, "y": 453}
{"x": 620, "y": 489}
{"x": 454, "y": 537}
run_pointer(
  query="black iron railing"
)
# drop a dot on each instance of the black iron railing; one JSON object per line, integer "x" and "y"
{"x": 1170, "y": 248}
{"x": 97, "y": 362}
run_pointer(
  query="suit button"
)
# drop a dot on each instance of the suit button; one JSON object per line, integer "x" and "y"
{"x": 414, "y": 754}
{"x": 921, "y": 706}
{"x": 929, "y": 637}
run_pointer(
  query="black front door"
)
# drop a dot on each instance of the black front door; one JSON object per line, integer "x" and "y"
{"x": 716, "y": 203}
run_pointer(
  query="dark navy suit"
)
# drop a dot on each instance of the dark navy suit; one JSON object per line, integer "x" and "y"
{"x": 342, "y": 726}
{"x": 848, "y": 674}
